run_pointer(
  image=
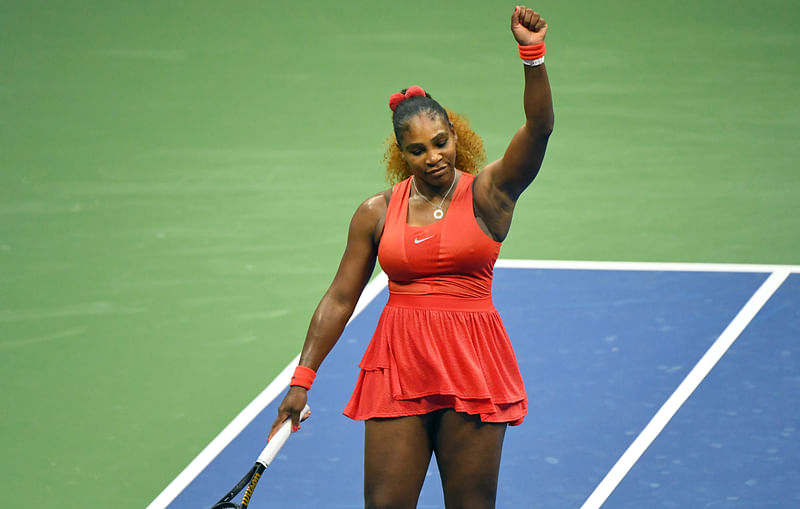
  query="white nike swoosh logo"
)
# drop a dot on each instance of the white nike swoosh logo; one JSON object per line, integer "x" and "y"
{"x": 418, "y": 241}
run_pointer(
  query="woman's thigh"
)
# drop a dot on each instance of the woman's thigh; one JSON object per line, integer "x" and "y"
{"x": 397, "y": 452}
{"x": 468, "y": 455}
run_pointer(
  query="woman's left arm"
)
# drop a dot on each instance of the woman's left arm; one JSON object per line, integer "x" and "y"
{"x": 502, "y": 181}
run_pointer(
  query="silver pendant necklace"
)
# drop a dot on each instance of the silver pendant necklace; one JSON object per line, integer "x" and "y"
{"x": 438, "y": 213}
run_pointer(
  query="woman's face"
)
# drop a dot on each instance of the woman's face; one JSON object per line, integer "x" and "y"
{"x": 429, "y": 147}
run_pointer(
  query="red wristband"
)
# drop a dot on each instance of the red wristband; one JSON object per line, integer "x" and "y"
{"x": 531, "y": 52}
{"x": 303, "y": 377}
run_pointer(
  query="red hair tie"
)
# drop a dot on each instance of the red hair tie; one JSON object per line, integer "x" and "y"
{"x": 412, "y": 91}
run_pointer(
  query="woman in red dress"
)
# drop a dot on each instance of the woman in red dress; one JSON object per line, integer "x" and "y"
{"x": 439, "y": 376}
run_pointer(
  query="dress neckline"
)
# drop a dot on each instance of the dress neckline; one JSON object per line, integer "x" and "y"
{"x": 407, "y": 199}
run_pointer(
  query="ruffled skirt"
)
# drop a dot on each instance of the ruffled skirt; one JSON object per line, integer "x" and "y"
{"x": 434, "y": 352}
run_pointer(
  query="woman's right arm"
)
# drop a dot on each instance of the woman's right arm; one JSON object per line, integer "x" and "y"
{"x": 338, "y": 303}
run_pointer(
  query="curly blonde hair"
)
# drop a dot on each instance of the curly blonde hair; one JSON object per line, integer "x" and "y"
{"x": 470, "y": 154}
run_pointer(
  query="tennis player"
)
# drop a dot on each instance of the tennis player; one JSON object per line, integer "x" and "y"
{"x": 439, "y": 376}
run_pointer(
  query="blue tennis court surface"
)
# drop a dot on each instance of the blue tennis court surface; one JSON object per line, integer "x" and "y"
{"x": 601, "y": 352}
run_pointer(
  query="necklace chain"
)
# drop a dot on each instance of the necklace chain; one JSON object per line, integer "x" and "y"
{"x": 438, "y": 213}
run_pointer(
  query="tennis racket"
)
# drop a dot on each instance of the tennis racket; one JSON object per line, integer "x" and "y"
{"x": 251, "y": 478}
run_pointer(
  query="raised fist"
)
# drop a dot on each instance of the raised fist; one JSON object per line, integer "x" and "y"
{"x": 527, "y": 26}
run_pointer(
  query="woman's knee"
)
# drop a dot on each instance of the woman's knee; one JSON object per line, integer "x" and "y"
{"x": 389, "y": 498}
{"x": 481, "y": 495}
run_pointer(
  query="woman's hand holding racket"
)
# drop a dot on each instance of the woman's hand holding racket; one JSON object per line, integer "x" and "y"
{"x": 277, "y": 438}
{"x": 291, "y": 408}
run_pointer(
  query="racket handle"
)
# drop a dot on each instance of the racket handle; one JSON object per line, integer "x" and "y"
{"x": 278, "y": 439}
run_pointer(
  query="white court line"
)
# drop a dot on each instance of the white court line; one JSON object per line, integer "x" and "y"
{"x": 250, "y": 412}
{"x": 645, "y": 266}
{"x": 684, "y": 390}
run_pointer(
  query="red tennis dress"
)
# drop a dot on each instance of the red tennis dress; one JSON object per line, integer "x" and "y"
{"x": 439, "y": 342}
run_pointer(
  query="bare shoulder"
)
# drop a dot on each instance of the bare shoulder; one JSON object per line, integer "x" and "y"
{"x": 375, "y": 206}
{"x": 370, "y": 216}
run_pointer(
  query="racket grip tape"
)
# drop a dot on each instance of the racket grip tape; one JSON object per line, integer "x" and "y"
{"x": 278, "y": 439}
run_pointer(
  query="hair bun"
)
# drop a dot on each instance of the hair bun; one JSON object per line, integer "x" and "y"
{"x": 412, "y": 91}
